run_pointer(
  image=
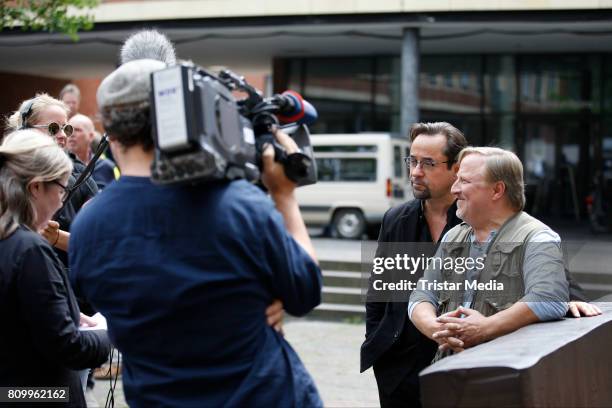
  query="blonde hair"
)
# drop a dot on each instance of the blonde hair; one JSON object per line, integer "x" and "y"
{"x": 26, "y": 156}
{"x": 38, "y": 104}
{"x": 502, "y": 165}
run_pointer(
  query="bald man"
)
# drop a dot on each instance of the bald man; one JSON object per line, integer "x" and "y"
{"x": 79, "y": 144}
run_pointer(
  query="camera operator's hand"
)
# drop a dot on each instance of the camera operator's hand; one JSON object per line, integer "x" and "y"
{"x": 273, "y": 176}
{"x": 281, "y": 190}
{"x": 86, "y": 321}
{"x": 274, "y": 315}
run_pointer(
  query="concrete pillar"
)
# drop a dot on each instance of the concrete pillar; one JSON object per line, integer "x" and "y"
{"x": 409, "y": 79}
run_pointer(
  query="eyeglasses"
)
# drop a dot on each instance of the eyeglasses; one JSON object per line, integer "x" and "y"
{"x": 426, "y": 164}
{"x": 53, "y": 128}
{"x": 65, "y": 189}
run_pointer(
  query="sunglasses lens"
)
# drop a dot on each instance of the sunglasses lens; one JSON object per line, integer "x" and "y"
{"x": 68, "y": 130}
{"x": 53, "y": 128}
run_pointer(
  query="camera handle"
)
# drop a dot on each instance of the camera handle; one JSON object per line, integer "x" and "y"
{"x": 295, "y": 164}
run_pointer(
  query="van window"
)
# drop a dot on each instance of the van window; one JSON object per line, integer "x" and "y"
{"x": 398, "y": 163}
{"x": 336, "y": 169}
{"x": 346, "y": 149}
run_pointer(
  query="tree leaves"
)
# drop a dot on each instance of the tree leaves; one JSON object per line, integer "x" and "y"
{"x": 61, "y": 16}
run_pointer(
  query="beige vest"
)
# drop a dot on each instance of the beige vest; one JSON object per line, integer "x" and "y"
{"x": 503, "y": 265}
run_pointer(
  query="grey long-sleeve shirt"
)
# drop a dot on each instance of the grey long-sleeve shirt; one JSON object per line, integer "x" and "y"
{"x": 542, "y": 292}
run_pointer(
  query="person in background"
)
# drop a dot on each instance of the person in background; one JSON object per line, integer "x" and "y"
{"x": 71, "y": 96}
{"x": 49, "y": 116}
{"x": 107, "y": 154}
{"x": 80, "y": 145}
{"x": 41, "y": 344}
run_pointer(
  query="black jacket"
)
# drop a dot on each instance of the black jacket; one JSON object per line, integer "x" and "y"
{"x": 66, "y": 214}
{"x": 392, "y": 341}
{"x": 40, "y": 344}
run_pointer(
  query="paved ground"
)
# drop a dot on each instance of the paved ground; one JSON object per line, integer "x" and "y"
{"x": 330, "y": 352}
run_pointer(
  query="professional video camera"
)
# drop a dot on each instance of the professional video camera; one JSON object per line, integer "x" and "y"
{"x": 202, "y": 133}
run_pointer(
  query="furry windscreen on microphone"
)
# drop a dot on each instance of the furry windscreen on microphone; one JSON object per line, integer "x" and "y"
{"x": 148, "y": 44}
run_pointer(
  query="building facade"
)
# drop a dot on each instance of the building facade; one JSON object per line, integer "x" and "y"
{"x": 554, "y": 110}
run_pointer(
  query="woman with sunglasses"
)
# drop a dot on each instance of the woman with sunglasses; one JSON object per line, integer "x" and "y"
{"x": 50, "y": 116}
{"x": 42, "y": 344}
{"x": 46, "y": 114}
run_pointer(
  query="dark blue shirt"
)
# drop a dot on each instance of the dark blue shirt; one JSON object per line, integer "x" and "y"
{"x": 103, "y": 173}
{"x": 184, "y": 275}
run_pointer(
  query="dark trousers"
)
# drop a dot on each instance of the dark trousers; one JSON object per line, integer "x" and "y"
{"x": 397, "y": 370}
{"x": 405, "y": 395}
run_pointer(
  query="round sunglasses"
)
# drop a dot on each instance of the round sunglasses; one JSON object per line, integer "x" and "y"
{"x": 53, "y": 128}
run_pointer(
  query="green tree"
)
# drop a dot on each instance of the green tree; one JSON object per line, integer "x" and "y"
{"x": 59, "y": 16}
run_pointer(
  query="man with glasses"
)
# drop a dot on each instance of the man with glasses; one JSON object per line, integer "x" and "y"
{"x": 393, "y": 346}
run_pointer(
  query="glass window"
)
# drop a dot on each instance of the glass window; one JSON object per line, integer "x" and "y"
{"x": 559, "y": 84}
{"x": 500, "y": 132}
{"x": 499, "y": 84}
{"x": 606, "y": 84}
{"x": 345, "y": 149}
{"x": 295, "y": 75}
{"x": 398, "y": 164}
{"x": 606, "y": 155}
{"x": 387, "y": 95}
{"x": 470, "y": 125}
{"x": 448, "y": 80}
{"x": 337, "y": 169}
{"x": 556, "y": 159}
{"x": 466, "y": 81}
{"x": 341, "y": 90}
{"x": 450, "y": 98}
{"x": 340, "y": 117}
{"x": 433, "y": 79}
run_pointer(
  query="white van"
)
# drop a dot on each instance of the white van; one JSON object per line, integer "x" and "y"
{"x": 360, "y": 177}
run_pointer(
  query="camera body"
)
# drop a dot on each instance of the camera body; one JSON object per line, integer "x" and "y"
{"x": 202, "y": 133}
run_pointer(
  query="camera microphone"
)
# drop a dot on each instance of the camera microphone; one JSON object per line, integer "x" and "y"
{"x": 294, "y": 109}
{"x": 148, "y": 44}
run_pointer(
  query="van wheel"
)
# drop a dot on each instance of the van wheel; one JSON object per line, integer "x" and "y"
{"x": 349, "y": 224}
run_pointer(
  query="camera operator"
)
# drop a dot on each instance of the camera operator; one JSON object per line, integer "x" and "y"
{"x": 184, "y": 273}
